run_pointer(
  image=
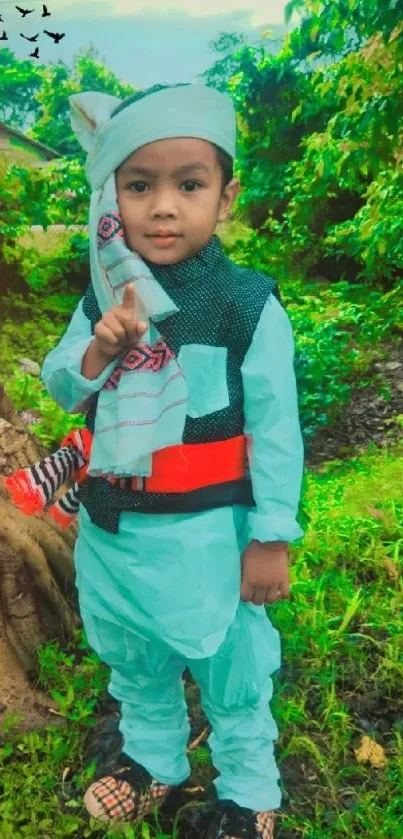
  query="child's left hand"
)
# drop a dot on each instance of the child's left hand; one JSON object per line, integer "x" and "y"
{"x": 265, "y": 572}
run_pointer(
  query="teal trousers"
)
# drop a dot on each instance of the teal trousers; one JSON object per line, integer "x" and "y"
{"x": 235, "y": 685}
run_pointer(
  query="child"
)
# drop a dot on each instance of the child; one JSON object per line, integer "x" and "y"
{"x": 183, "y": 363}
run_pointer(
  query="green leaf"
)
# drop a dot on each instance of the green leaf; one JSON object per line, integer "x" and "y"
{"x": 366, "y": 229}
{"x": 314, "y": 31}
{"x": 364, "y": 167}
{"x": 296, "y": 112}
{"x": 289, "y": 10}
{"x": 350, "y": 612}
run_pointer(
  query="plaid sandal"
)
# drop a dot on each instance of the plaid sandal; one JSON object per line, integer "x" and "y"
{"x": 234, "y": 822}
{"x": 127, "y": 793}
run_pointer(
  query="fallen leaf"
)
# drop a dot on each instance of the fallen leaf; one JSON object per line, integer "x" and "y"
{"x": 29, "y": 366}
{"x": 370, "y": 752}
{"x": 391, "y": 569}
{"x": 58, "y": 713}
{"x": 377, "y": 514}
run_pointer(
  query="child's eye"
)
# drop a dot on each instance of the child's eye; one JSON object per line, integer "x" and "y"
{"x": 142, "y": 183}
{"x": 136, "y": 183}
{"x": 193, "y": 182}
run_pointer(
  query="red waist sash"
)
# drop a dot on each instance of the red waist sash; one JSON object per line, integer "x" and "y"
{"x": 192, "y": 466}
{"x": 186, "y": 467}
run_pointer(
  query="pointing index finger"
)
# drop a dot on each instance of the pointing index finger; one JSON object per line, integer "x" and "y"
{"x": 129, "y": 298}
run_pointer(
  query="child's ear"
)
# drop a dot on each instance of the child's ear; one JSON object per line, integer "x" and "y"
{"x": 231, "y": 193}
{"x": 234, "y": 188}
{"x": 237, "y": 187}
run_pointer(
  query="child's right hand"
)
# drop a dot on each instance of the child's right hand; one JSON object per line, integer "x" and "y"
{"x": 119, "y": 328}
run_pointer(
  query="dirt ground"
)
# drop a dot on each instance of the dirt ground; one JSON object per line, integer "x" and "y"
{"x": 365, "y": 419}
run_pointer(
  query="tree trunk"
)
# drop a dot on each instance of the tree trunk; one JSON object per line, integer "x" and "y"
{"x": 38, "y": 599}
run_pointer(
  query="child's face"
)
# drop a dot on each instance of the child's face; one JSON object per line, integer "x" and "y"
{"x": 187, "y": 203}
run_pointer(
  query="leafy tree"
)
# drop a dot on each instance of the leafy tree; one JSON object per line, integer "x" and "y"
{"x": 319, "y": 149}
{"x": 319, "y": 140}
{"x": 58, "y": 83}
{"x": 351, "y": 171}
{"x": 20, "y": 82}
{"x": 335, "y": 27}
{"x": 229, "y": 46}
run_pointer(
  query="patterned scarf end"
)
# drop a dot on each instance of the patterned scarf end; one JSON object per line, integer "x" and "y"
{"x": 27, "y": 498}
{"x": 63, "y": 519}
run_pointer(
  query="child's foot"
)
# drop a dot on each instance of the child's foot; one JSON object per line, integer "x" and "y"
{"x": 234, "y": 822}
{"x": 127, "y": 793}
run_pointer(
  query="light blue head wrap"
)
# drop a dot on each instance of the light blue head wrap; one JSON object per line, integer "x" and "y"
{"x": 130, "y": 426}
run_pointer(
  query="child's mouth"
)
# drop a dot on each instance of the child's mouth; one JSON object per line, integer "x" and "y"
{"x": 163, "y": 241}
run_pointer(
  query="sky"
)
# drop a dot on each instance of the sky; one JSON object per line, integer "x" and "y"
{"x": 144, "y": 43}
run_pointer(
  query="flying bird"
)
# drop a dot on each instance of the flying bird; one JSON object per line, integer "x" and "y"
{"x": 55, "y": 35}
{"x": 25, "y": 12}
{"x": 45, "y": 12}
{"x": 34, "y": 38}
{"x": 4, "y": 36}
{"x": 1, "y": 19}
{"x": 35, "y": 53}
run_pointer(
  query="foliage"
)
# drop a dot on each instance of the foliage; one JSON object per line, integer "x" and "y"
{"x": 229, "y": 47}
{"x": 332, "y": 27}
{"x": 37, "y": 95}
{"x": 57, "y": 194}
{"x": 51, "y": 271}
{"x": 76, "y": 699}
{"x": 340, "y": 679}
{"x": 320, "y": 130}
{"x": 320, "y": 162}
{"x": 53, "y": 127}
{"x": 31, "y": 328}
{"x": 319, "y": 143}
{"x": 20, "y": 81}
{"x": 351, "y": 171}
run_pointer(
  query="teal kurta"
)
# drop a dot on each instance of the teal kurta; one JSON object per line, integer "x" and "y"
{"x": 176, "y": 577}
{"x": 161, "y": 591}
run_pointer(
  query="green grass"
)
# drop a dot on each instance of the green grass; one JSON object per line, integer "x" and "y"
{"x": 341, "y": 676}
{"x": 341, "y": 679}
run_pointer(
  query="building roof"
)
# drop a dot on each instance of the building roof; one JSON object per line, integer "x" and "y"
{"x": 28, "y": 140}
